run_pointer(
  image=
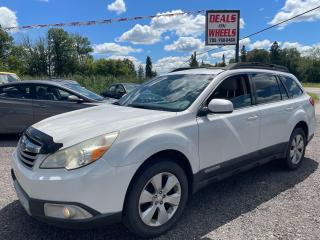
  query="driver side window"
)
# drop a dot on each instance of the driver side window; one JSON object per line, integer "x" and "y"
{"x": 235, "y": 89}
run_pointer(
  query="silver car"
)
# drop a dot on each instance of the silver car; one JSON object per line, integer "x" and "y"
{"x": 27, "y": 102}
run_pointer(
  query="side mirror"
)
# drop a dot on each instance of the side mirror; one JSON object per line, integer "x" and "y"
{"x": 73, "y": 98}
{"x": 220, "y": 106}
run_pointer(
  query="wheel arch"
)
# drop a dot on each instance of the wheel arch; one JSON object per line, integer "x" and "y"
{"x": 304, "y": 126}
{"x": 172, "y": 155}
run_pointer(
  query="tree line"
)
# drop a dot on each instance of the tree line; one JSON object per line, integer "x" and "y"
{"x": 305, "y": 67}
{"x": 60, "y": 54}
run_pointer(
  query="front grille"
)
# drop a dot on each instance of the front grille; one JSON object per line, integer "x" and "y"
{"x": 28, "y": 151}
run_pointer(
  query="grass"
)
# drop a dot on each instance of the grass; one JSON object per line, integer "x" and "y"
{"x": 309, "y": 84}
{"x": 314, "y": 96}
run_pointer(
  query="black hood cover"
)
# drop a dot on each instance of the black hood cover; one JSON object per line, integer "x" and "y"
{"x": 46, "y": 141}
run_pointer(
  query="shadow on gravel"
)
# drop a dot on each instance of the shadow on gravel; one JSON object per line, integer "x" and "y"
{"x": 9, "y": 140}
{"x": 209, "y": 209}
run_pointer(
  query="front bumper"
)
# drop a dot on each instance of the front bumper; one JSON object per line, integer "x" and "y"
{"x": 35, "y": 208}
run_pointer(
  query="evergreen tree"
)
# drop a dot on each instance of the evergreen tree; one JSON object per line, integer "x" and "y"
{"x": 149, "y": 73}
{"x": 140, "y": 73}
{"x": 275, "y": 52}
{"x": 243, "y": 56}
{"x": 193, "y": 62}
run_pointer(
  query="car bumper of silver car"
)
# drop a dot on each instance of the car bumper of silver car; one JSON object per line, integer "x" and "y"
{"x": 63, "y": 214}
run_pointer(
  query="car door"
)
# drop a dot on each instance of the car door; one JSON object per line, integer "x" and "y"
{"x": 231, "y": 137}
{"x": 16, "y": 108}
{"x": 52, "y": 100}
{"x": 274, "y": 113}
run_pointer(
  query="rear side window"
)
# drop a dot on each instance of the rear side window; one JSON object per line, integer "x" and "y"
{"x": 293, "y": 88}
{"x": 16, "y": 91}
{"x": 267, "y": 88}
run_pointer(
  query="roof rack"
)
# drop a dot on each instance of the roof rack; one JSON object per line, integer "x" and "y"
{"x": 190, "y": 68}
{"x": 257, "y": 65}
{"x": 233, "y": 66}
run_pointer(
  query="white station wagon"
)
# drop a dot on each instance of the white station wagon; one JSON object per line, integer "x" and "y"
{"x": 139, "y": 160}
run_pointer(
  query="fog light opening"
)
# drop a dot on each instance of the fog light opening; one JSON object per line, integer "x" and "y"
{"x": 63, "y": 211}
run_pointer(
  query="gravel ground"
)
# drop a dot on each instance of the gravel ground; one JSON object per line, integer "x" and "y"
{"x": 263, "y": 203}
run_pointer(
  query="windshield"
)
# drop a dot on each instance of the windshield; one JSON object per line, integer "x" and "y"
{"x": 130, "y": 87}
{"x": 169, "y": 93}
{"x": 8, "y": 78}
{"x": 83, "y": 91}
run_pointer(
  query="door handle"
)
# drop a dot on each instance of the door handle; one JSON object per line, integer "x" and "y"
{"x": 289, "y": 108}
{"x": 252, "y": 118}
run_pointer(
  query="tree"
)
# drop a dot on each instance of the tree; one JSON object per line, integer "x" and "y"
{"x": 258, "y": 55}
{"x": 83, "y": 47}
{"x": 243, "y": 56}
{"x": 62, "y": 53}
{"x": 193, "y": 62}
{"x": 140, "y": 73}
{"x": 6, "y": 44}
{"x": 149, "y": 73}
{"x": 275, "y": 52}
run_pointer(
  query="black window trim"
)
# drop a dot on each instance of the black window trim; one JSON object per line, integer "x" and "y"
{"x": 284, "y": 86}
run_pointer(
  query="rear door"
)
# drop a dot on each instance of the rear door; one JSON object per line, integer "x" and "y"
{"x": 52, "y": 100}
{"x": 16, "y": 108}
{"x": 275, "y": 114}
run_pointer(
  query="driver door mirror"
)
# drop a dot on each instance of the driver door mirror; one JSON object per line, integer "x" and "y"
{"x": 73, "y": 98}
{"x": 220, "y": 106}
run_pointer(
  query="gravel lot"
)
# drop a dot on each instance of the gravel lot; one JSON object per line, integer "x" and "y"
{"x": 263, "y": 203}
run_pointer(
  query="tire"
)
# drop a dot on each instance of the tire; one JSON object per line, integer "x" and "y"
{"x": 295, "y": 151}
{"x": 143, "y": 198}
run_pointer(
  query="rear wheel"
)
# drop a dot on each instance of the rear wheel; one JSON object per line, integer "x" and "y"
{"x": 156, "y": 200}
{"x": 296, "y": 149}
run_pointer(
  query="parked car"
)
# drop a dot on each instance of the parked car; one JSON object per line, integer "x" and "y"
{"x": 7, "y": 77}
{"x": 27, "y": 102}
{"x": 118, "y": 90}
{"x": 138, "y": 160}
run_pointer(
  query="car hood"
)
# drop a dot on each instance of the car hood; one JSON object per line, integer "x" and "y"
{"x": 77, "y": 126}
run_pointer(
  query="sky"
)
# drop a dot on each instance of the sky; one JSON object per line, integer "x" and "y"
{"x": 168, "y": 40}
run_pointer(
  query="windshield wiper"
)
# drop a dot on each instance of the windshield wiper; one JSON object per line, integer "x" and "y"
{"x": 147, "y": 107}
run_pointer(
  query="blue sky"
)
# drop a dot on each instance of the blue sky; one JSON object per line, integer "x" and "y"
{"x": 169, "y": 41}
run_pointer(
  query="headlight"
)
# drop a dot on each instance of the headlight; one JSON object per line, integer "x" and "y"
{"x": 80, "y": 154}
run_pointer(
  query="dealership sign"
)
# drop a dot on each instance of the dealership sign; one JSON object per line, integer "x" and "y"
{"x": 222, "y": 27}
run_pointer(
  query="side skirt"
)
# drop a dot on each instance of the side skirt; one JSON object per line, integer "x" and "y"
{"x": 231, "y": 167}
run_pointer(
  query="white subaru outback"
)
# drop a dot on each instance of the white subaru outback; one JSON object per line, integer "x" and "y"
{"x": 139, "y": 160}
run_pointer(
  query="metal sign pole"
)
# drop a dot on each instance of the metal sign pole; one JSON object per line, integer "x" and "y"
{"x": 238, "y": 36}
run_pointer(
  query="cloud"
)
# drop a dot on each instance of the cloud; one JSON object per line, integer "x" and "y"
{"x": 295, "y": 7}
{"x": 184, "y": 25}
{"x": 114, "y": 49}
{"x": 185, "y": 44}
{"x": 242, "y": 23}
{"x": 261, "y": 44}
{"x": 8, "y": 18}
{"x": 117, "y": 6}
{"x": 167, "y": 64}
{"x": 45, "y": 1}
{"x": 141, "y": 35}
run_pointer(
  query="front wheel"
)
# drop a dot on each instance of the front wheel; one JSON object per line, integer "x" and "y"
{"x": 296, "y": 149}
{"x": 156, "y": 200}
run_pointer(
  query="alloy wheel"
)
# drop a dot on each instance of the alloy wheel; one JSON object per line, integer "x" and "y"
{"x": 296, "y": 149}
{"x": 159, "y": 199}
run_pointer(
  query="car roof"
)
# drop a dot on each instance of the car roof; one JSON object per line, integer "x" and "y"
{"x": 211, "y": 71}
{"x": 10, "y": 73}
{"x": 55, "y": 82}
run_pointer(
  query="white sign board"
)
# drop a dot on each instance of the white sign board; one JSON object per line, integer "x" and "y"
{"x": 222, "y": 27}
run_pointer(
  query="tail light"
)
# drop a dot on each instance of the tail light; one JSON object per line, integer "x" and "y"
{"x": 311, "y": 101}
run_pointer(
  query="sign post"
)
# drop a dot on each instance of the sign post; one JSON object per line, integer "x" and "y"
{"x": 222, "y": 28}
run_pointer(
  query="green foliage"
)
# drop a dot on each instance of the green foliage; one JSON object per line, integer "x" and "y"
{"x": 258, "y": 55}
{"x": 193, "y": 62}
{"x": 275, "y": 53}
{"x": 243, "y": 56}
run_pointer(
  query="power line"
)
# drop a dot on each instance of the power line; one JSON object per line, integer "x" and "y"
{"x": 260, "y": 31}
{"x": 99, "y": 22}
